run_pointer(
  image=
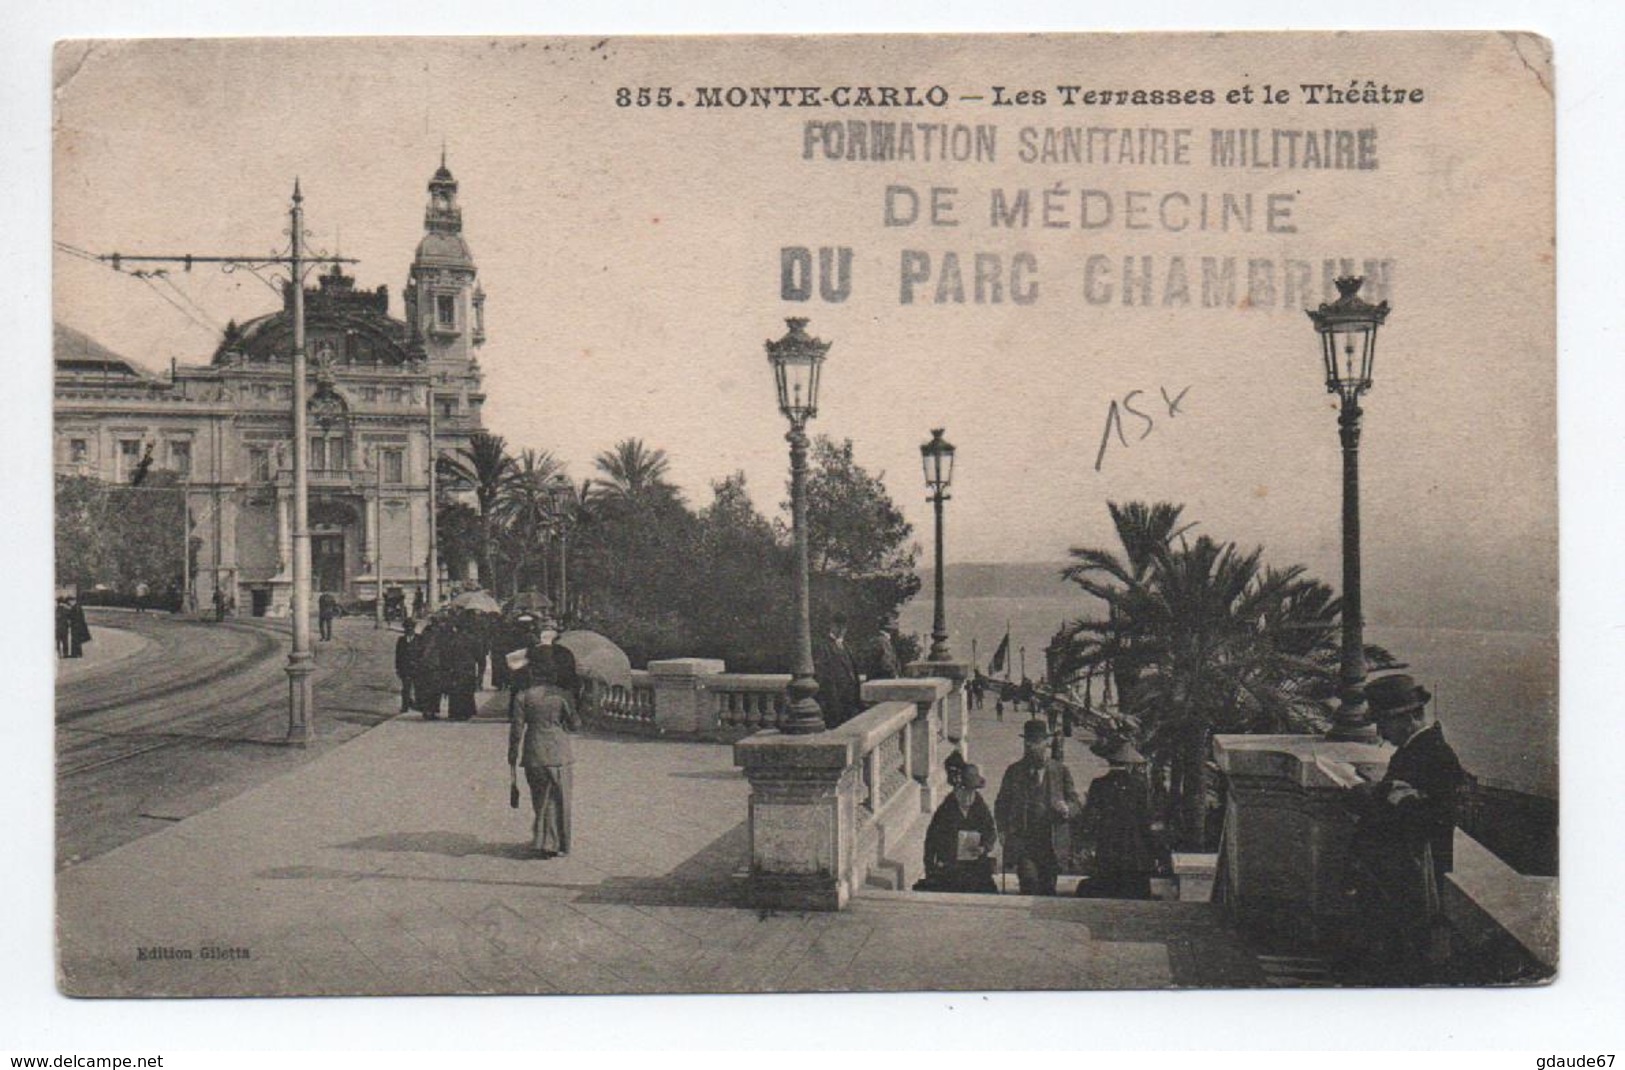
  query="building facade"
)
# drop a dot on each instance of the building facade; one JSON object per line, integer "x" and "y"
{"x": 384, "y": 396}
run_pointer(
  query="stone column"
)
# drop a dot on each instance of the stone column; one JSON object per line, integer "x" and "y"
{"x": 682, "y": 704}
{"x": 803, "y": 814}
{"x": 1284, "y": 856}
{"x": 928, "y": 739}
{"x": 956, "y": 714}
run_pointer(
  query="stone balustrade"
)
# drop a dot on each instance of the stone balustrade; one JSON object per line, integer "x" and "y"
{"x": 748, "y": 701}
{"x": 1284, "y": 856}
{"x": 832, "y": 810}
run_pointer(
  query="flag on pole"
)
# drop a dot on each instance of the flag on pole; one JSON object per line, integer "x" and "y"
{"x": 1000, "y": 655}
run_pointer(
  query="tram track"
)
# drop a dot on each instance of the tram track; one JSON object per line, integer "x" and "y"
{"x": 195, "y": 718}
{"x": 163, "y": 733}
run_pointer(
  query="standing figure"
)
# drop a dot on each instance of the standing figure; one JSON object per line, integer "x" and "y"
{"x": 428, "y": 685}
{"x": 837, "y": 674}
{"x": 418, "y": 603}
{"x": 63, "y": 628}
{"x": 327, "y": 607}
{"x": 960, "y": 841}
{"x": 219, "y": 604}
{"x": 1117, "y": 817}
{"x": 886, "y": 665}
{"x": 541, "y": 714}
{"x": 1403, "y": 842}
{"x": 141, "y": 591}
{"x": 406, "y": 662}
{"x": 1036, "y": 804}
{"x": 462, "y": 670}
{"x": 78, "y": 628}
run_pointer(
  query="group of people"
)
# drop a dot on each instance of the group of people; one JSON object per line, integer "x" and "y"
{"x": 444, "y": 665}
{"x": 72, "y": 631}
{"x": 1404, "y": 827}
{"x": 1033, "y": 820}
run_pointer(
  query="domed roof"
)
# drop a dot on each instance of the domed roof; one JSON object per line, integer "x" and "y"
{"x": 445, "y": 247}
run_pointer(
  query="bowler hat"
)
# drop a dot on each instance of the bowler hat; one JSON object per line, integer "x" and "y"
{"x": 1389, "y": 696}
{"x": 1124, "y": 754}
{"x": 1035, "y": 731}
{"x": 971, "y": 777}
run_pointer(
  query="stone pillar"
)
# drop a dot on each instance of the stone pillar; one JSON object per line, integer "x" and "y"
{"x": 956, "y": 712}
{"x": 682, "y": 703}
{"x": 1287, "y": 829}
{"x": 928, "y": 739}
{"x": 803, "y": 815}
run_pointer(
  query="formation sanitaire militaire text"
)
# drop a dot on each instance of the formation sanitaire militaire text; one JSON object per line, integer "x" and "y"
{"x": 1110, "y": 272}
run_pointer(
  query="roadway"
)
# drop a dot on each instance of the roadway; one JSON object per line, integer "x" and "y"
{"x": 171, "y": 715}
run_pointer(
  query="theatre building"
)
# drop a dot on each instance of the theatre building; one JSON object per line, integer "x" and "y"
{"x": 383, "y": 395}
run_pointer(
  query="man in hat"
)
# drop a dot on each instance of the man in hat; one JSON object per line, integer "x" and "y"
{"x": 1117, "y": 818}
{"x": 406, "y": 661}
{"x": 1036, "y": 804}
{"x": 1402, "y": 846}
{"x": 837, "y": 674}
{"x": 960, "y": 840}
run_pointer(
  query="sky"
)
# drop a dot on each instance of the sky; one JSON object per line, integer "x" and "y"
{"x": 632, "y": 262}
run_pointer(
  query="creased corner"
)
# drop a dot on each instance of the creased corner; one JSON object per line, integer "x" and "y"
{"x": 1535, "y": 53}
{"x": 68, "y": 59}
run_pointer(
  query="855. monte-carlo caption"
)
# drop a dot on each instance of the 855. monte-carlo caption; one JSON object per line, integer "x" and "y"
{"x": 1353, "y": 92}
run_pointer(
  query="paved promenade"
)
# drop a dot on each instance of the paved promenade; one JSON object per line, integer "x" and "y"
{"x": 393, "y": 864}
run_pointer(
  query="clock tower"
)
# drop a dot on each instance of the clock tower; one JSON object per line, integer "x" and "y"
{"x": 445, "y": 306}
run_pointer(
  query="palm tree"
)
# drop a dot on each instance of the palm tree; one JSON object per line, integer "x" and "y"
{"x": 527, "y": 510}
{"x": 483, "y": 466}
{"x": 634, "y": 473}
{"x": 1144, "y": 531}
{"x": 1215, "y": 641}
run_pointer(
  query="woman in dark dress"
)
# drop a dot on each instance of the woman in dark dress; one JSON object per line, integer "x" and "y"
{"x": 960, "y": 841}
{"x": 1117, "y": 817}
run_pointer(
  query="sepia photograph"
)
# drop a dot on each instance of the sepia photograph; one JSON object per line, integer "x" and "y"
{"x": 804, "y": 514}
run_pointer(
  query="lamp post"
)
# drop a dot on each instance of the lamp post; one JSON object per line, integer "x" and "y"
{"x": 301, "y": 661}
{"x": 378, "y": 536}
{"x": 798, "y": 360}
{"x": 563, "y": 521}
{"x": 1348, "y": 341}
{"x": 937, "y": 458}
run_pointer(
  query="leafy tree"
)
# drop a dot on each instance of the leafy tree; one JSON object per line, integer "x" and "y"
{"x": 459, "y": 536}
{"x": 859, "y": 544}
{"x": 121, "y": 535}
{"x": 740, "y": 600}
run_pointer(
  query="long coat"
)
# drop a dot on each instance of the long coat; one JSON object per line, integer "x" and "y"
{"x": 540, "y": 720}
{"x": 1118, "y": 817}
{"x": 837, "y": 675}
{"x": 78, "y": 628}
{"x": 1402, "y": 849}
{"x": 943, "y": 868}
{"x": 1029, "y": 807}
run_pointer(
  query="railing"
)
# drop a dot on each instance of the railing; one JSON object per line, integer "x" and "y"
{"x": 833, "y": 810}
{"x": 629, "y": 706}
{"x": 749, "y": 701}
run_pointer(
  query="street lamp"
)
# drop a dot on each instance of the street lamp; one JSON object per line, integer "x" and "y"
{"x": 797, "y": 361}
{"x": 1348, "y": 340}
{"x": 564, "y": 520}
{"x": 937, "y": 458}
{"x": 301, "y": 660}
